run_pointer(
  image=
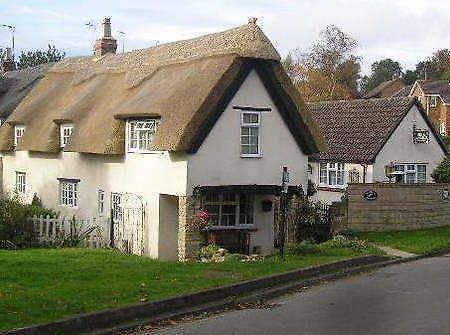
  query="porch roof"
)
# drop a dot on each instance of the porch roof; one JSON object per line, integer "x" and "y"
{"x": 249, "y": 189}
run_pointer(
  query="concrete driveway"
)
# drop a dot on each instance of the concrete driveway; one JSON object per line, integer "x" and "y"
{"x": 411, "y": 298}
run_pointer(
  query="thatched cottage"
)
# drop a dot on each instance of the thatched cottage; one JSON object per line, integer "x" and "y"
{"x": 161, "y": 133}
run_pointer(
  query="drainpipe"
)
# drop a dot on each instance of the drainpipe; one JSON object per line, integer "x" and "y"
{"x": 364, "y": 166}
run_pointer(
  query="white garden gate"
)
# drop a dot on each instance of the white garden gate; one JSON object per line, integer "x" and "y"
{"x": 128, "y": 217}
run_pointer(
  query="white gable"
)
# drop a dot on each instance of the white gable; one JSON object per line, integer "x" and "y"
{"x": 400, "y": 147}
{"x": 218, "y": 161}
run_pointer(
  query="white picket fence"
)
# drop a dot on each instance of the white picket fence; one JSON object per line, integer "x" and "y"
{"x": 54, "y": 230}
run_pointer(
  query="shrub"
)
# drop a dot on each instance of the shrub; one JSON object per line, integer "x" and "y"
{"x": 15, "y": 228}
{"x": 313, "y": 222}
{"x": 441, "y": 173}
{"x": 342, "y": 241}
{"x": 306, "y": 247}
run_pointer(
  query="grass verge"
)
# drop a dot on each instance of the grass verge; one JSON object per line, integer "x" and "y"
{"x": 43, "y": 285}
{"x": 420, "y": 241}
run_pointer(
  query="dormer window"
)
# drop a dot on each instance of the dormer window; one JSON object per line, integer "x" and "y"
{"x": 141, "y": 134}
{"x": 66, "y": 132}
{"x": 18, "y": 134}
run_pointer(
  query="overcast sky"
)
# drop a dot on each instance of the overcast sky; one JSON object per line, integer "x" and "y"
{"x": 404, "y": 30}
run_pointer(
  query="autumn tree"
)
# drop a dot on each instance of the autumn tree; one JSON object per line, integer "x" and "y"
{"x": 329, "y": 70}
{"x": 36, "y": 57}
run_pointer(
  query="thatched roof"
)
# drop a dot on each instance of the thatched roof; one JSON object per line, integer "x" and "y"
{"x": 187, "y": 84}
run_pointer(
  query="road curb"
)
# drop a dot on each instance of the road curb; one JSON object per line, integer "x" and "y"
{"x": 92, "y": 322}
{"x": 111, "y": 321}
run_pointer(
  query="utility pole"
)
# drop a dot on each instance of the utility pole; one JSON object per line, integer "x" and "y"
{"x": 122, "y": 35}
{"x": 283, "y": 207}
{"x": 13, "y": 30}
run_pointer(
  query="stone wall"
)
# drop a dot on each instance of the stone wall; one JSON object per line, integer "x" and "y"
{"x": 397, "y": 206}
{"x": 190, "y": 238}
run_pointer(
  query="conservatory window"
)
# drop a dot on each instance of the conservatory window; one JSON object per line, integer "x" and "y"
{"x": 228, "y": 209}
{"x": 141, "y": 134}
{"x": 332, "y": 174}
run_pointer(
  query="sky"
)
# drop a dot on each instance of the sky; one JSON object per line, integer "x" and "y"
{"x": 404, "y": 30}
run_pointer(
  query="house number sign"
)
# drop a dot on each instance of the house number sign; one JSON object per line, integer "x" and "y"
{"x": 370, "y": 195}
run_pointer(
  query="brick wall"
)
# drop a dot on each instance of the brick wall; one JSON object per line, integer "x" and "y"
{"x": 190, "y": 239}
{"x": 397, "y": 206}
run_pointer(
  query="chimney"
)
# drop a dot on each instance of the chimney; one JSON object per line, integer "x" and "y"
{"x": 8, "y": 63}
{"x": 106, "y": 44}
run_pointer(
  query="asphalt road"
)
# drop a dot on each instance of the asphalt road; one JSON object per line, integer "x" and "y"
{"x": 411, "y": 298}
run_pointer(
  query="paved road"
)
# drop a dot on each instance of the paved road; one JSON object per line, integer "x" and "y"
{"x": 412, "y": 298}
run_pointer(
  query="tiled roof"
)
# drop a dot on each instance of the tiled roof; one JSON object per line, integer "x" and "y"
{"x": 15, "y": 85}
{"x": 385, "y": 89}
{"x": 441, "y": 87}
{"x": 356, "y": 130}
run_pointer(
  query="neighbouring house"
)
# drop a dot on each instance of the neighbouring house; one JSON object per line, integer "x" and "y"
{"x": 366, "y": 135}
{"x": 386, "y": 89}
{"x": 152, "y": 137}
{"x": 16, "y": 84}
{"x": 435, "y": 99}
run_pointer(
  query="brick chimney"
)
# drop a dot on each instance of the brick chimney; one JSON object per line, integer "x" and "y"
{"x": 106, "y": 44}
{"x": 8, "y": 63}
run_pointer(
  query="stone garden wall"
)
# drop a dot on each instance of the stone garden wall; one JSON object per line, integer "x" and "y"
{"x": 397, "y": 206}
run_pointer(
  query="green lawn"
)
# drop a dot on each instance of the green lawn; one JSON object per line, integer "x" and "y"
{"x": 41, "y": 285}
{"x": 416, "y": 241}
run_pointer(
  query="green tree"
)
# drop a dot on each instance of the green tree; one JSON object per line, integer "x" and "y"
{"x": 409, "y": 77}
{"x": 36, "y": 57}
{"x": 441, "y": 173}
{"x": 329, "y": 69}
{"x": 381, "y": 71}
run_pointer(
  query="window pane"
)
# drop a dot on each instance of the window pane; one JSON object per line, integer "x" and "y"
{"x": 245, "y": 130}
{"x": 332, "y": 177}
{"x": 246, "y": 118}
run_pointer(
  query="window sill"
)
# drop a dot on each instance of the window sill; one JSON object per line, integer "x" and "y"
{"x": 251, "y": 156}
{"x": 331, "y": 188}
{"x": 238, "y": 227}
{"x": 145, "y": 152}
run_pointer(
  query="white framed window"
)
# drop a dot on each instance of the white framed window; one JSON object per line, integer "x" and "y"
{"x": 412, "y": 173}
{"x": 229, "y": 209}
{"x": 18, "y": 134}
{"x": 68, "y": 192}
{"x": 101, "y": 201}
{"x": 20, "y": 182}
{"x": 332, "y": 174}
{"x": 250, "y": 134}
{"x": 141, "y": 134}
{"x": 434, "y": 100}
{"x": 2, "y": 121}
{"x": 442, "y": 128}
{"x": 66, "y": 130}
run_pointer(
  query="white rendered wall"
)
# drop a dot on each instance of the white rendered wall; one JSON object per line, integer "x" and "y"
{"x": 218, "y": 160}
{"x": 400, "y": 147}
{"x": 147, "y": 175}
{"x": 324, "y": 193}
